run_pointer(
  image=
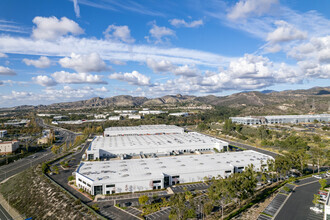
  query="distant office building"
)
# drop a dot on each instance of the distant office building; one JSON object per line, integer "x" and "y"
{"x": 152, "y": 112}
{"x": 280, "y": 119}
{"x": 114, "y": 118}
{"x": 177, "y": 114}
{"x": 7, "y": 147}
{"x": 101, "y": 116}
{"x": 3, "y": 133}
{"x": 134, "y": 117}
{"x": 17, "y": 123}
{"x": 125, "y": 111}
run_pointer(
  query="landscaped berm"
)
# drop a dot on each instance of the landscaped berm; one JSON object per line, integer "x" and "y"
{"x": 33, "y": 195}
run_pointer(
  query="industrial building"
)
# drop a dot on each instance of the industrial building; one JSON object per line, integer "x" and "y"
{"x": 7, "y": 147}
{"x": 158, "y": 144}
{"x": 143, "y": 130}
{"x": 183, "y": 114}
{"x": 118, "y": 176}
{"x": 280, "y": 119}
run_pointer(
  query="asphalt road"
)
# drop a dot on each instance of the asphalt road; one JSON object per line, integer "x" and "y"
{"x": 4, "y": 214}
{"x": 297, "y": 207}
{"x": 32, "y": 160}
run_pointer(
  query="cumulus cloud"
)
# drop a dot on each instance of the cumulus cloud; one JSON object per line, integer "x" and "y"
{"x": 167, "y": 66}
{"x": 84, "y": 63}
{"x": 159, "y": 34}
{"x": 285, "y": 32}
{"x": 44, "y": 81}
{"x": 182, "y": 23}
{"x": 161, "y": 66}
{"x": 133, "y": 78}
{"x": 3, "y": 55}
{"x": 185, "y": 70}
{"x": 77, "y": 78}
{"x": 246, "y": 8}
{"x": 76, "y": 8}
{"x": 18, "y": 96}
{"x": 246, "y": 73}
{"x": 6, "y": 71}
{"x": 119, "y": 33}
{"x": 51, "y": 28}
{"x": 42, "y": 62}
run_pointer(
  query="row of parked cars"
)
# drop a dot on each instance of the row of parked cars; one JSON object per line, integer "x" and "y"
{"x": 322, "y": 176}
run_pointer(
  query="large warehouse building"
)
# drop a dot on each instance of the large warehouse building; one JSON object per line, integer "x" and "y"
{"x": 117, "y": 176}
{"x": 151, "y": 139}
{"x": 280, "y": 119}
{"x": 143, "y": 130}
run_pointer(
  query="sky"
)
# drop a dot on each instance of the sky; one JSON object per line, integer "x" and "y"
{"x": 66, "y": 50}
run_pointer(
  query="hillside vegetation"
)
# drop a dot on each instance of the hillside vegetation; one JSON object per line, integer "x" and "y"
{"x": 33, "y": 195}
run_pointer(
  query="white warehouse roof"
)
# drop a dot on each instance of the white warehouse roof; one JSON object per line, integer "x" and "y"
{"x": 190, "y": 168}
{"x": 142, "y": 129}
{"x": 148, "y": 144}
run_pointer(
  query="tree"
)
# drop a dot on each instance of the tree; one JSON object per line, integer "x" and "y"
{"x": 143, "y": 199}
{"x": 316, "y": 199}
{"x": 317, "y": 155}
{"x": 323, "y": 183}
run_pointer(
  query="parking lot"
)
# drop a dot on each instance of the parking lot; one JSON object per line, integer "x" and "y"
{"x": 160, "y": 215}
{"x": 275, "y": 204}
{"x": 189, "y": 187}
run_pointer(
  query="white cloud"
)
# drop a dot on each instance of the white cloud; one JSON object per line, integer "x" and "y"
{"x": 273, "y": 48}
{"x": 167, "y": 66}
{"x": 246, "y": 8}
{"x": 109, "y": 50}
{"x": 84, "y": 63}
{"x": 182, "y": 23}
{"x": 121, "y": 33}
{"x": 118, "y": 62}
{"x": 6, "y": 71}
{"x": 76, "y": 8}
{"x": 3, "y": 55}
{"x": 18, "y": 96}
{"x": 159, "y": 34}
{"x": 102, "y": 89}
{"x": 134, "y": 78}
{"x": 44, "y": 80}
{"x": 185, "y": 70}
{"x": 42, "y": 62}
{"x": 161, "y": 66}
{"x": 51, "y": 28}
{"x": 77, "y": 78}
{"x": 285, "y": 32}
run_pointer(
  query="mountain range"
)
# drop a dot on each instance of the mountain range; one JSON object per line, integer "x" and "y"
{"x": 315, "y": 100}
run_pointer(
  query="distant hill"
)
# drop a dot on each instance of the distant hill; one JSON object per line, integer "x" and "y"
{"x": 316, "y": 100}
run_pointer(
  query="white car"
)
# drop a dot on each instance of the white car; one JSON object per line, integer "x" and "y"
{"x": 317, "y": 176}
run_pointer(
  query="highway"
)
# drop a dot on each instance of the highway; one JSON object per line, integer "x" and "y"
{"x": 20, "y": 165}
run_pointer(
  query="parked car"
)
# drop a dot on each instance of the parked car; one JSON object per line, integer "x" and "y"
{"x": 317, "y": 176}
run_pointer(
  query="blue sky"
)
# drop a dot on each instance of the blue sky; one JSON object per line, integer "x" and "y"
{"x": 67, "y": 50}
